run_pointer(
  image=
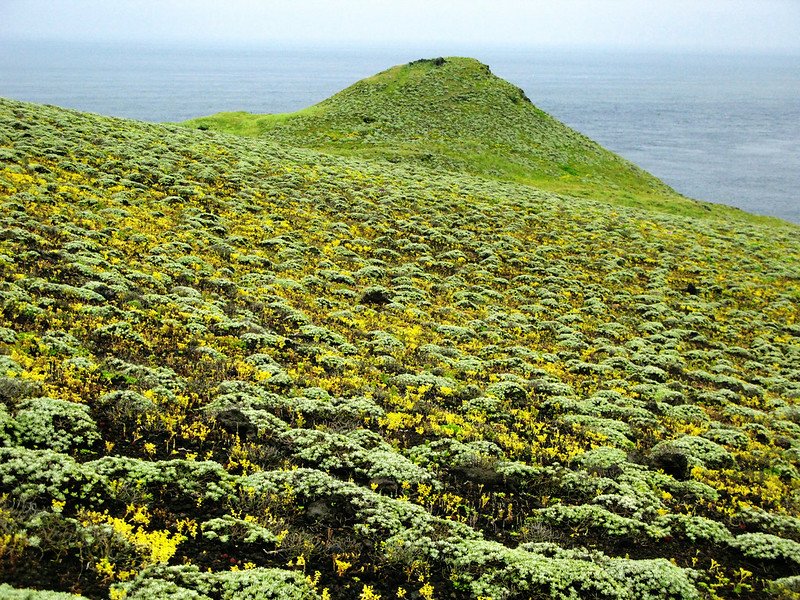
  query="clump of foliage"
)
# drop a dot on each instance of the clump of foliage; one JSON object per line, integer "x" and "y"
{"x": 59, "y": 425}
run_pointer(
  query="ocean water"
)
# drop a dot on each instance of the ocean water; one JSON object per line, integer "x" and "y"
{"x": 722, "y": 128}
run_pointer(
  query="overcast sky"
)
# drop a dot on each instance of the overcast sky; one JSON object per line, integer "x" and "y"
{"x": 761, "y": 25}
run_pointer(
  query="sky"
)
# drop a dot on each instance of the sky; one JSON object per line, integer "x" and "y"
{"x": 710, "y": 25}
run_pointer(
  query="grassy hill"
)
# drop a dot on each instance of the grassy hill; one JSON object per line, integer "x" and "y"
{"x": 232, "y": 368}
{"x": 453, "y": 114}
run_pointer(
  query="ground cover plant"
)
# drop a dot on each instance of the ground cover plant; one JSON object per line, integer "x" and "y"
{"x": 235, "y": 368}
{"x": 453, "y": 114}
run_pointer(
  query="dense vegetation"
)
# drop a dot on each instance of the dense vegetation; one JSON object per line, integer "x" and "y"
{"x": 453, "y": 114}
{"x": 232, "y": 368}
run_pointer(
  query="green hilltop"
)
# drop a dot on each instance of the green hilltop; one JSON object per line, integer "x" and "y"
{"x": 454, "y": 114}
{"x": 297, "y": 365}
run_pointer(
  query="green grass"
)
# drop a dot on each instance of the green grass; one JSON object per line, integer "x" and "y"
{"x": 457, "y": 116}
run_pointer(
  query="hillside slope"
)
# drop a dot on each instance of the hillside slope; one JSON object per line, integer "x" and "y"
{"x": 454, "y": 114}
{"x": 233, "y": 369}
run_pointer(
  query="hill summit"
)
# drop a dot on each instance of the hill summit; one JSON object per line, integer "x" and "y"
{"x": 454, "y": 114}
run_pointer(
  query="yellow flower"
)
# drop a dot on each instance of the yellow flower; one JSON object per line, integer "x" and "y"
{"x": 426, "y": 591}
{"x": 368, "y": 593}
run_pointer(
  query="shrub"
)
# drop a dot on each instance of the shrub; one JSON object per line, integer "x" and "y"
{"x": 125, "y": 404}
{"x": 10, "y": 593}
{"x": 698, "y": 451}
{"x": 785, "y": 588}
{"x": 484, "y": 568}
{"x": 232, "y": 529}
{"x": 655, "y": 579}
{"x": 768, "y": 547}
{"x": 187, "y": 582}
{"x": 695, "y": 528}
{"x": 587, "y": 517}
{"x": 688, "y": 413}
{"x": 8, "y": 428}
{"x": 602, "y": 459}
{"x": 616, "y": 432}
{"x": 44, "y": 475}
{"x": 57, "y": 425}
{"x": 178, "y": 480}
{"x": 729, "y": 436}
{"x": 509, "y": 391}
{"x": 783, "y": 525}
{"x": 12, "y": 389}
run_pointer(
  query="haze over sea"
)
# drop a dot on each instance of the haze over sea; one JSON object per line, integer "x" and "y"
{"x": 723, "y": 128}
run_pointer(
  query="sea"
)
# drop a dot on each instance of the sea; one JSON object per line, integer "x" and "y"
{"x": 718, "y": 127}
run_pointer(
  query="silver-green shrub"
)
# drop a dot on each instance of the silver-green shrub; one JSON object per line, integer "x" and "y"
{"x": 57, "y": 425}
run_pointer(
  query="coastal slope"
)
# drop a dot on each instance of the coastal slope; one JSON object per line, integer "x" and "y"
{"x": 454, "y": 114}
{"x": 231, "y": 367}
